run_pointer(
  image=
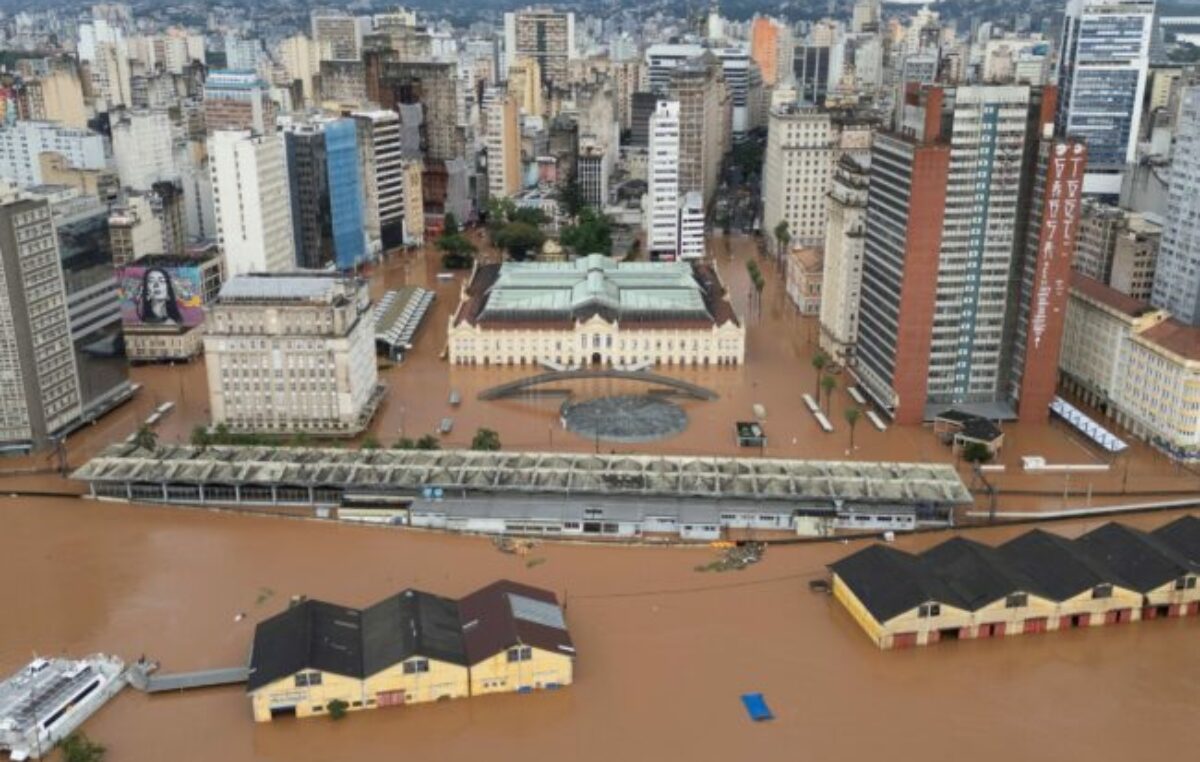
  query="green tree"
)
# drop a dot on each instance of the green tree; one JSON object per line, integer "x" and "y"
{"x": 337, "y": 708}
{"x": 518, "y": 238}
{"x": 783, "y": 237}
{"x": 485, "y": 439}
{"x": 828, "y": 384}
{"x": 976, "y": 452}
{"x": 819, "y": 361}
{"x": 404, "y": 443}
{"x": 570, "y": 197}
{"x": 145, "y": 438}
{"x": 450, "y": 224}
{"x": 369, "y": 443}
{"x": 852, "y": 414}
{"x": 429, "y": 442}
{"x": 530, "y": 215}
{"x": 591, "y": 234}
{"x": 457, "y": 251}
{"x": 200, "y": 436}
{"x": 77, "y": 747}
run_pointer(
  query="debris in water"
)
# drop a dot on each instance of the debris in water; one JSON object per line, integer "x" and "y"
{"x": 735, "y": 557}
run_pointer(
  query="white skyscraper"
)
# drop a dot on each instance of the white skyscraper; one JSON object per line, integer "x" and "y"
{"x": 252, "y": 203}
{"x": 798, "y": 166}
{"x": 1177, "y": 272}
{"x": 143, "y": 148}
{"x": 1103, "y": 59}
{"x": 22, "y": 142}
{"x": 662, "y": 183}
{"x": 691, "y": 226}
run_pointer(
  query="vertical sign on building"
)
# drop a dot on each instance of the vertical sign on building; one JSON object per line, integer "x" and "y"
{"x": 1056, "y": 248}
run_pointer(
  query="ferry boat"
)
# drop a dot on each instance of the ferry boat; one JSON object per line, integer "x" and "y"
{"x": 48, "y": 699}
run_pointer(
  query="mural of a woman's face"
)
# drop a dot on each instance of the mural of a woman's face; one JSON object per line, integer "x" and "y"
{"x": 156, "y": 286}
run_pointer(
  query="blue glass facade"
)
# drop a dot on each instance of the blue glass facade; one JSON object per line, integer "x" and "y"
{"x": 346, "y": 193}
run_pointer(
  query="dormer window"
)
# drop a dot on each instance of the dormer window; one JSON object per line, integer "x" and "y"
{"x": 1102, "y": 591}
{"x": 929, "y": 609}
{"x": 1016, "y": 600}
{"x": 1187, "y": 582}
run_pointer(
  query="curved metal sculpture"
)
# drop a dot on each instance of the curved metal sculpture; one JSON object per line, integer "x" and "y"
{"x": 514, "y": 387}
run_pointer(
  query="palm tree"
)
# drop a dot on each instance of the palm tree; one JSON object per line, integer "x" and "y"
{"x": 782, "y": 237}
{"x": 819, "y": 361}
{"x": 852, "y": 414}
{"x": 828, "y": 383}
{"x": 145, "y": 438}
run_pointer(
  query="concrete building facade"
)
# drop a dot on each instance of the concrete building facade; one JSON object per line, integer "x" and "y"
{"x": 292, "y": 353}
{"x": 251, "y": 202}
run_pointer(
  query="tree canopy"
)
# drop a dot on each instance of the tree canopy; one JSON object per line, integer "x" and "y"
{"x": 591, "y": 234}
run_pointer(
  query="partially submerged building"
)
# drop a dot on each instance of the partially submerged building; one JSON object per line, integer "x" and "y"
{"x": 1037, "y": 582}
{"x": 413, "y": 647}
{"x": 596, "y": 311}
{"x": 598, "y": 496}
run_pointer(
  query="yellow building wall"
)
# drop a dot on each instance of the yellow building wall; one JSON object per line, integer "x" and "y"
{"x": 948, "y": 618}
{"x": 1167, "y": 595}
{"x": 1084, "y": 603}
{"x": 845, "y": 596}
{"x": 443, "y": 680}
{"x": 308, "y": 700}
{"x": 1013, "y": 619}
{"x": 498, "y": 675}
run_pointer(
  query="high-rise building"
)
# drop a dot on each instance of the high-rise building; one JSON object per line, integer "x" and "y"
{"x": 969, "y": 233}
{"x": 337, "y": 35}
{"x": 143, "y": 147}
{"x": 525, "y": 83}
{"x": 797, "y": 167}
{"x": 1104, "y": 56}
{"x": 662, "y": 197}
{"x": 698, "y": 86}
{"x": 592, "y": 169}
{"x": 384, "y": 174}
{"x": 146, "y": 223}
{"x": 325, "y": 174}
{"x": 544, "y": 34}
{"x": 251, "y": 201}
{"x": 1118, "y": 247}
{"x": 291, "y": 353}
{"x": 22, "y": 143}
{"x": 40, "y": 396}
{"x": 661, "y": 61}
{"x": 434, "y": 86}
{"x": 766, "y": 38}
{"x": 242, "y": 54}
{"x": 238, "y": 100}
{"x": 691, "y": 226}
{"x": 1177, "y": 273}
{"x": 503, "y": 142}
{"x": 844, "y": 238}
{"x": 414, "y": 203}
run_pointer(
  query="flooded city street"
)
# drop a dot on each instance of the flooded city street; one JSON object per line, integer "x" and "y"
{"x": 664, "y": 651}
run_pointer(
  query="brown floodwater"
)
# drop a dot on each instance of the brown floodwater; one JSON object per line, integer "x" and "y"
{"x": 664, "y": 651}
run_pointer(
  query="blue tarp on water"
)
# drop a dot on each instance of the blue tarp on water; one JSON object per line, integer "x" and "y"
{"x": 756, "y": 707}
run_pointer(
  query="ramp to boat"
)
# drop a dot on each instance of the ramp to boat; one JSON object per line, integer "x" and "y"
{"x": 185, "y": 681}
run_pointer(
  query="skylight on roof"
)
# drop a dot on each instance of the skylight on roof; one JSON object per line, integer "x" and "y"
{"x": 537, "y": 612}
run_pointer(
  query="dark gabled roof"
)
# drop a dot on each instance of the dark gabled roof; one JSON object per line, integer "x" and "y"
{"x": 411, "y": 623}
{"x": 890, "y": 582}
{"x": 1060, "y": 570}
{"x": 310, "y": 635}
{"x": 1141, "y": 560}
{"x": 505, "y": 614}
{"x": 977, "y": 573}
{"x": 1183, "y": 536}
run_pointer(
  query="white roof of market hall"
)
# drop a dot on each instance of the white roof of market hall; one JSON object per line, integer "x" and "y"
{"x": 595, "y": 284}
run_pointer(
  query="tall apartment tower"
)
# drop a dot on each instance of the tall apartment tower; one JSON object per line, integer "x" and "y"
{"x": 844, "y": 238}
{"x": 434, "y": 86}
{"x": 40, "y": 398}
{"x": 336, "y": 35}
{"x": 544, "y": 34}
{"x": 143, "y": 147}
{"x": 238, "y": 100}
{"x": 766, "y": 37}
{"x": 1177, "y": 273}
{"x": 503, "y": 143}
{"x": 292, "y": 353}
{"x": 798, "y": 165}
{"x": 965, "y": 250}
{"x": 251, "y": 202}
{"x": 662, "y": 183}
{"x": 1104, "y": 57}
{"x": 384, "y": 173}
{"x": 698, "y": 86}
